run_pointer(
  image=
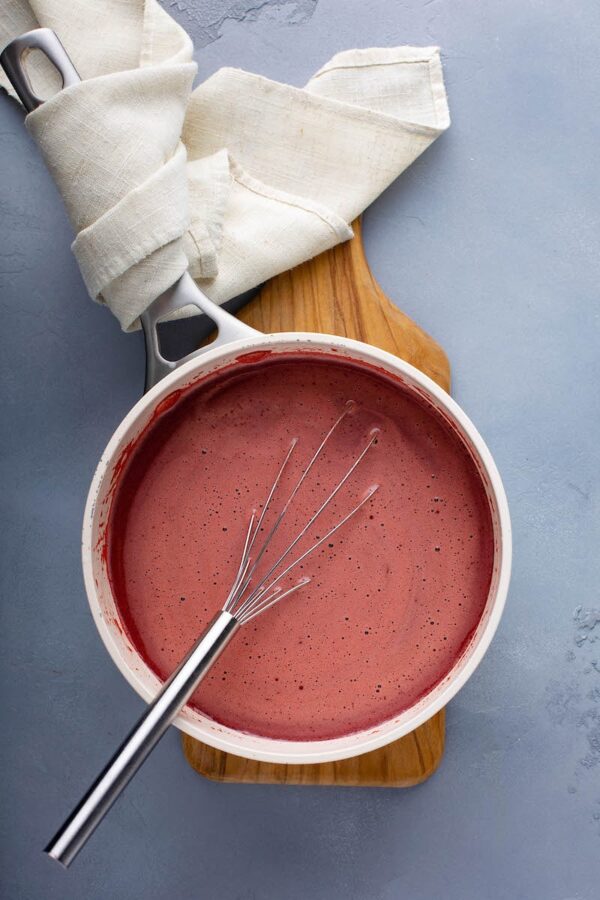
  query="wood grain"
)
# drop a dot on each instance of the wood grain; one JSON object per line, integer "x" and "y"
{"x": 335, "y": 293}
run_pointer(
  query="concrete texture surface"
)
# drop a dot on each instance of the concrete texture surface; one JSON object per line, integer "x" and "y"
{"x": 491, "y": 242}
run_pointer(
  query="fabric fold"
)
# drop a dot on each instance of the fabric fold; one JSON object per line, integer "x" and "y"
{"x": 148, "y": 217}
{"x": 274, "y": 174}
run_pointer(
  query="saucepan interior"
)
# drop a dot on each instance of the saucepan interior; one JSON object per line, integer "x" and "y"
{"x": 102, "y": 602}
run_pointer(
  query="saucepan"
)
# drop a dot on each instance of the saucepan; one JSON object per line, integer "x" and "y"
{"x": 164, "y": 380}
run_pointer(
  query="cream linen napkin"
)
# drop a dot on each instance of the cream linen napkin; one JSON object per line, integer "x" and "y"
{"x": 238, "y": 180}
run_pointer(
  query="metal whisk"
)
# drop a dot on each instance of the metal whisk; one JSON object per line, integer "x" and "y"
{"x": 252, "y": 593}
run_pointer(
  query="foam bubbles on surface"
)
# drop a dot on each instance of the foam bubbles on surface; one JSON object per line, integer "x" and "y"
{"x": 394, "y": 595}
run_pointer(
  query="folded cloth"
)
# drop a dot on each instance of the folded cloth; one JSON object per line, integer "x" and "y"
{"x": 236, "y": 181}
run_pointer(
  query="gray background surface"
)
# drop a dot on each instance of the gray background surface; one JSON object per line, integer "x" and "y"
{"x": 491, "y": 242}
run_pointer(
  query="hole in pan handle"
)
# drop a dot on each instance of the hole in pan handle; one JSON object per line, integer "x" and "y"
{"x": 12, "y": 61}
{"x": 184, "y": 292}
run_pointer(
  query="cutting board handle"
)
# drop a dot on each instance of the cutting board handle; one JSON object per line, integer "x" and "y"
{"x": 336, "y": 293}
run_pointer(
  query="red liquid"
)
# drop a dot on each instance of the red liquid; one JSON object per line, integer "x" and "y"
{"x": 391, "y": 605}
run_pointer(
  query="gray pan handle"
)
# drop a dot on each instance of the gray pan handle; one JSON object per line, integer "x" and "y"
{"x": 184, "y": 292}
{"x": 11, "y": 60}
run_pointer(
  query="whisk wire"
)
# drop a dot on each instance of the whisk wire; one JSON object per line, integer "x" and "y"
{"x": 272, "y": 494}
{"x": 251, "y": 537}
{"x": 243, "y": 567}
{"x": 266, "y": 593}
{"x": 293, "y": 493}
{"x": 257, "y": 597}
{"x": 273, "y": 598}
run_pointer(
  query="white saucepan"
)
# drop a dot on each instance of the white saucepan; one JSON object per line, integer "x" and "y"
{"x": 236, "y": 340}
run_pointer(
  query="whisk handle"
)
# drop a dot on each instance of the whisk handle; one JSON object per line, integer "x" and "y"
{"x": 90, "y": 811}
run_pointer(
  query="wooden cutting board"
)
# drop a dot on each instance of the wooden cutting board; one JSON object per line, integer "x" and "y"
{"x": 335, "y": 293}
